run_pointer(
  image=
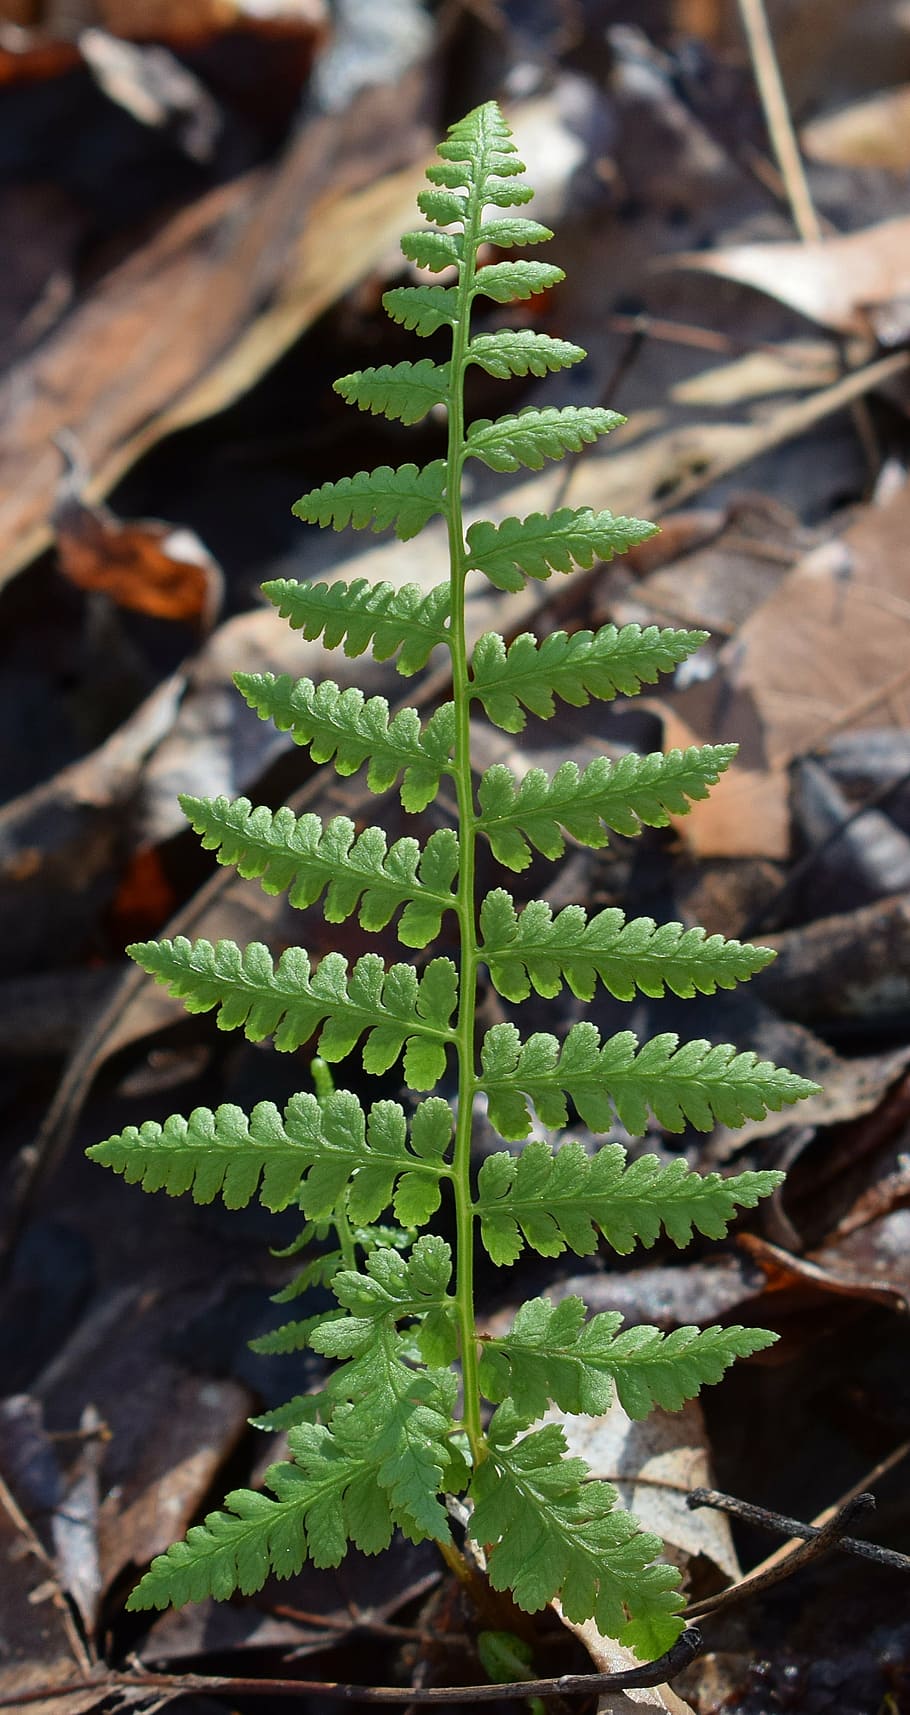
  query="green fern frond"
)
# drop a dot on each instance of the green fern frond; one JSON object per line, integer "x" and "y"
{"x": 550, "y": 542}
{"x": 534, "y": 948}
{"x": 621, "y": 796}
{"x": 403, "y": 392}
{"x": 421, "y": 309}
{"x": 366, "y": 1163}
{"x": 532, "y": 436}
{"x": 552, "y": 1352}
{"x": 506, "y": 281}
{"x": 432, "y": 249}
{"x": 224, "y": 1154}
{"x": 348, "y": 729}
{"x": 407, "y": 497}
{"x": 694, "y": 1084}
{"x": 397, "y": 1010}
{"x": 560, "y": 1199}
{"x": 549, "y": 1531}
{"x": 519, "y": 351}
{"x": 395, "y": 1289}
{"x": 516, "y": 229}
{"x": 327, "y": 1498}
{"x": 362, "y": 615}
{"x": 408, "y": 1406}
{"x": 304, "y": 857}
{"x": 576, "y": 668}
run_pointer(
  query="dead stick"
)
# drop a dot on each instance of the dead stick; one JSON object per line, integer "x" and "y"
{"x": 810, "y": 1548}
{"x": 777, "y": 119}
{"x": 656, "y": 1672}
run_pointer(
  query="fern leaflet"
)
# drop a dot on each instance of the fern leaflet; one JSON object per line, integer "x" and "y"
{"x": 552, "y": 1352}
{"x": 519, "y": 351}
{"x": 543, "y": 543}
{"x": 558, "y": 1200}
{"x": 403, "y": 392}
{"x": 505, "y": 281}
{"x": 535, "y": 949}
{"x": 421, "y": 309}
{"x": 407, "y": 498}
{"x": 327, "y": 1498}
{"x": 397, "y": 1010}
{"x": 348, "y": 729}
{"x": 696, "y": 1084}
{"x": 531, "y": 436}
{"x": 587, "y": 664}
{"x": 362, "y": 616}
{"x": 306, "y": 858}
{"x": 621, "y": 796}
{"x": 554, "y": 1533}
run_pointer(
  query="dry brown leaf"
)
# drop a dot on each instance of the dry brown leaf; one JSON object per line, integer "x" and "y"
{"x": 793, "y": 367}
{"x": 178, "y": 320}
{"x": 871, "y": 133}
{"x": 850, "y": 283}
{"x": 829, "y": 646}
{"x": 609, "y": 1656}
{"x": 146, "y": 565}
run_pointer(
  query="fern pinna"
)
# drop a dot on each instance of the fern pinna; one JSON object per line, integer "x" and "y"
{"x": 418, "y": 1404}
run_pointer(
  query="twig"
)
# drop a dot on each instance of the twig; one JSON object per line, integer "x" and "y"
{"x": 777, "y": 118}
{"x": 814, "y": 1542}
{"x": 656, "y": 1672}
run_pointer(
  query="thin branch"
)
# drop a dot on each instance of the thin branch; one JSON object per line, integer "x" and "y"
{"x": 777, "y": 118}
{"x": 656, "y": 1672}
{"x": 814, "y": 1543}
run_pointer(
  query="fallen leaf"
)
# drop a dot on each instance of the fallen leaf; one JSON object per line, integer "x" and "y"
{"x": 855, "y": 1268}
{"x": 653, "y": 1464}
{"x": 871, "y": 133}
{"x": 146, "y": 565}
{"x": 610, "y": 1656}
{"x": 850, "y": 283}
{"x": 293, "y": 240}
{"x": 792, "y": 367}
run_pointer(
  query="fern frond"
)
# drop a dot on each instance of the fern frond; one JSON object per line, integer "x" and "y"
{"x": 395, "y": 1289}
{"x": 304, "y": 857}
{"x": 621, "y": 796}
{"x": 403, "y": 392}
{"x": 531, "y": 436}
{"x": 327, "y": 1498}
{"x": 421, "y": 309}
{"x": 397, "y": 1010}
{"x": 560, "y": 1199}
{"x": 432, "y": 249}
{"x": 363, "y": 615}
{"x": 550, "y": 542}
{"x": 407, "y": 497}
{"x": 552, "y": 1352}
{"x": 549, "y": 1531}
{"x": 519, "y": 351}
{"x": 505, "y": 281}
{"x": 534, "y": 948}
{"x": 694, "y": 1084}
{"x": 225, "y": 1153}
{"x": 587, "y": 664}
{"x": 408, "y": 1408}
{"x": 348, "y": 729}
{"x": 366, "y": 1162}
{"x": 516, "y": 229}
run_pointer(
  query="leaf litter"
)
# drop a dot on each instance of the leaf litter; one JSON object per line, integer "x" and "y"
{"x": 186, "y": 347}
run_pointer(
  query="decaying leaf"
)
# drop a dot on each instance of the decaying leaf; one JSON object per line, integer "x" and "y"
{"x": 850, "y": 282}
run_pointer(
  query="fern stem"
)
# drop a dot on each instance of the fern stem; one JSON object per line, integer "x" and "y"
{"x": 465, "y": 908}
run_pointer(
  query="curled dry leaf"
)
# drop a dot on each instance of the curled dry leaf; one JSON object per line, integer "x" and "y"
{"x": 870, "y": 133}
{"x": 850, "y": 283}
{"x": 147, "y": 565}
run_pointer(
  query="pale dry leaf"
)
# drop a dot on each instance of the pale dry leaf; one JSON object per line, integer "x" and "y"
{"x": 795, "y": 366}
{"x": 610, "y": 1656}
{"x": 838, "y": 282}
{"x": 653, "y": 1464}
{"x": 871, "y": 133}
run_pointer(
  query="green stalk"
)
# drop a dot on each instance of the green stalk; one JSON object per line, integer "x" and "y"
{"x": 465, "y": 907}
